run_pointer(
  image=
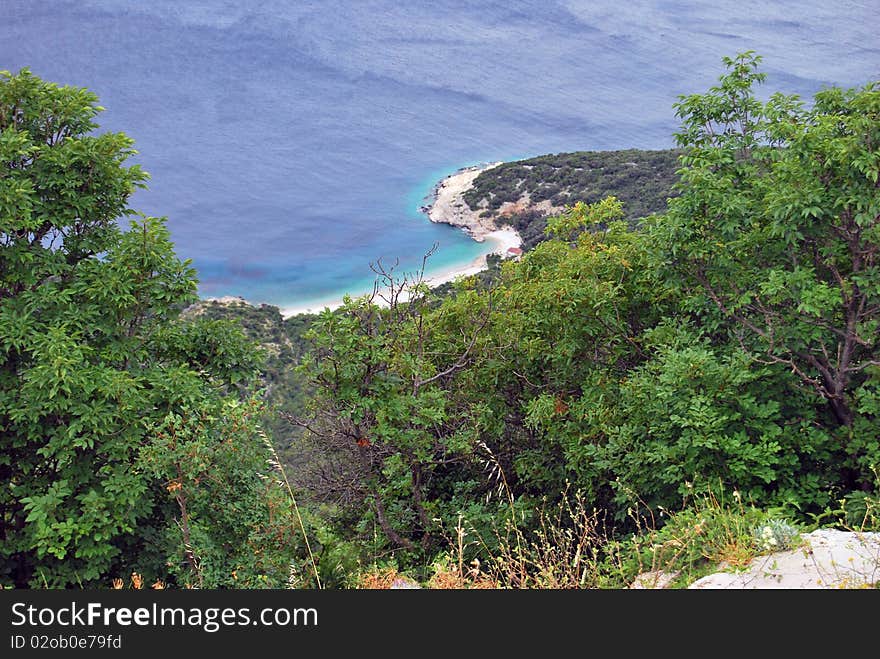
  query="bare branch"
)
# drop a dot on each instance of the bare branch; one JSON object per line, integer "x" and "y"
{"x": 861, "y": 367}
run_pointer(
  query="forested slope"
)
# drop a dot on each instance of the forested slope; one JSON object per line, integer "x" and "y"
{"x": 525, "y": 192}
{"x": 687, "y": 383}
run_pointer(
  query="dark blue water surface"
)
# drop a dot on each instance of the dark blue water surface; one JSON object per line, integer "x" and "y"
{"x": 291, "y": 143}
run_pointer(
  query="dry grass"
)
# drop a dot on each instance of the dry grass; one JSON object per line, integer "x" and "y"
{"x": 568, "y": 546}
{"x": 283, "y": 482}
{"x": 136, "y": 583}
{"x": 378, "y": 579}
{"x": 562, "y": 552}
{"x": 451, "y": 574}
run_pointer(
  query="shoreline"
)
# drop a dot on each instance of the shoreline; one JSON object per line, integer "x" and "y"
{"x": 447, "y": 207}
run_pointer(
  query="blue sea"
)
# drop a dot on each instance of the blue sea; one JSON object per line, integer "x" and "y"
{"x": 291, "y": 144}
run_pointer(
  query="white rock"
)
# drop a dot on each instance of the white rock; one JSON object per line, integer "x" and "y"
{"x": 653, "y": 580}
{"x": 827, "y": 559}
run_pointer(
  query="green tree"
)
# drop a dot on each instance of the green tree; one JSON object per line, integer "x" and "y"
{"x": 95, "y": 365}
{"x": 572, "y": 313}
{"x": 395, "y": 446}
{"x": 774, "y": 241}
{"x": 732, "y": 339}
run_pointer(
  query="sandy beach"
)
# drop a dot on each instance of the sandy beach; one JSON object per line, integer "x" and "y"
{"x": 448, "y": 207}
{"x": 316, "y": 306}
{"x": 501, "y": 239}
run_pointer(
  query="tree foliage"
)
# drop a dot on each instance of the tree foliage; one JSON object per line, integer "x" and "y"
{"x": 96, "y": 366}
{"x": 394, "y": 442}
{"x": 775, "y": 239}
{"x": 731, "y": 340}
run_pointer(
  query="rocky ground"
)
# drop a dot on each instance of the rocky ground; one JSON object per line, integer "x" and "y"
{"x": 825, "y": 558}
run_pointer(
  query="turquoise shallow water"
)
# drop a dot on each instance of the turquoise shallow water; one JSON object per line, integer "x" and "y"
{"x": 291, "y": 144}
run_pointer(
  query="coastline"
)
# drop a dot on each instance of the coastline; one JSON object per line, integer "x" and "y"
{"x": 447, "y": 207}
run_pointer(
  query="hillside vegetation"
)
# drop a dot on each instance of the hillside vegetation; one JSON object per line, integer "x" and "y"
{"x": 662, "y": 395}
{"x": 729, "y": 343}
{"x": 129, "y": 435}
{"x": 281, "y": 343}
{"x": 526, "y": 192}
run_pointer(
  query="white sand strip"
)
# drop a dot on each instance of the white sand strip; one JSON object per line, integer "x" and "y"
{"x": 312, "y": 306}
